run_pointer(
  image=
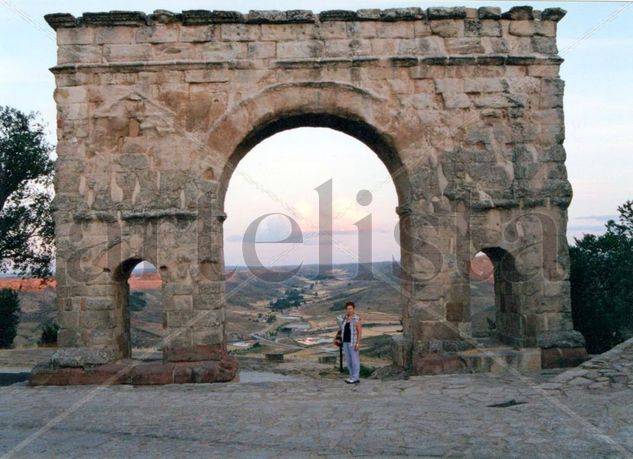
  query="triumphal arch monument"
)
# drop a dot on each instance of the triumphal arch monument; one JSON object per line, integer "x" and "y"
{"x": 464, "y": 106}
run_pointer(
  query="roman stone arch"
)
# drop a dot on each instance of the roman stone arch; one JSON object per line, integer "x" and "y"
{"x": 463, "y": 106}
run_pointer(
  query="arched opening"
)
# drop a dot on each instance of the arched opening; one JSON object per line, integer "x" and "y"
{"x": 496, "y": 314}
{"x": 482, "y": 298}
{"x": 314, "y": 162}
{"x": 346, "y": 123}
{"x": 139, "y": 309}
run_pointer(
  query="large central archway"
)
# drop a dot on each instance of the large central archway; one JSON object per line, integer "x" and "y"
{"x": 327, "y": 105}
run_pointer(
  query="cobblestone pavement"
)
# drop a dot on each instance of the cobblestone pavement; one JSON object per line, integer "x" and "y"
{"x": 292, "y": 416}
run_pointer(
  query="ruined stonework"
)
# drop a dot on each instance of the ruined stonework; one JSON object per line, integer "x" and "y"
{"x": 464, "y": 106}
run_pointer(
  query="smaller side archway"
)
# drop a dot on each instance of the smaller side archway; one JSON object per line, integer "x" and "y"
{"x": 482, "y": 297}
{"x": 510, "y": 321}
{"x": 133, "y": 279}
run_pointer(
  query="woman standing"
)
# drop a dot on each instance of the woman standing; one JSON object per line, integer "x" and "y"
{"x": 350, "y": 328}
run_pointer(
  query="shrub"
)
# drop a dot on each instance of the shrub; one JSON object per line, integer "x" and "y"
{"x": 49, "y": 332}
{"x": 9, "y": 316}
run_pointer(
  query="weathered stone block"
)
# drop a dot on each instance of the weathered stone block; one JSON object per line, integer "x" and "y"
{"x": 158, "y": 34}
{"x": 300, "y": 49}
{"x": 490, "y": 28}
{"x": 61, "y": 21}
{"x": 368, "y": 14}
{"x": 545, "y": 28}
{"x": 347, "y": 48}
{"x": 465, "y": 45}
{"x": 519, "y": 13}
{"x": 98, "y": 303}
{"x": 395, "y": 30}
{"x": 76, "y": 357}
{"x": 457, "y": 12}
{"x": 447, "y": 27}
{"x": 71, "y": 95}
{"x": 437, "y": 329}
{"x": 458, "y": 100}
{"x": 428, "y": 310}
{"x": 561, "y": 339}
{"x": 200, "y": 352}
{"x": 200, "y": 33}
{"x": 472, "y": 28}
{"x": 240, "y": 32}
{"x": 488, "y": 12}
{"x": 223, "y": 51}
{"x": 483, "y": 85}
{"x": 266, "y": 50}
{"x": 219, "y": 75}
{"x": 499, "y": 101}
{"x": 337, "y": 15}
{"x": 549, "y": 71}
{"x": 553, "y": 14}
{"x": 522, "y": 28}
{"x": 401, "y": 351}
{"x": 434, "y": 364}
{"x": 563, "y": 357}
{"x": 115, "y": 35}
{"x": 126, "y": 52}
{"x": 45, "y": 375}
{"x": 416, "y": 46}
{"x": 545, "y": 45}
{"x": 211, "y": 17}
{"x": 146, "y": 373}
{"x": 79, "y": 53}
{"x": 75, "y": 36}
{"x": 97, "y": 319}
{"x": 455, "y": 312}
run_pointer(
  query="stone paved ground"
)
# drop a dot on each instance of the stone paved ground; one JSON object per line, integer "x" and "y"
{"x": 267, "y": 415}
{"x": 582, "y": 412}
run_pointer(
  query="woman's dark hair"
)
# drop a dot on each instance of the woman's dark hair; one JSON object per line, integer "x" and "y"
{"x": 350, "y": 303}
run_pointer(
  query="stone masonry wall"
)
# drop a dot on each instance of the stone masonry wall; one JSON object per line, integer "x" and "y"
{"x": 464, "y": 106}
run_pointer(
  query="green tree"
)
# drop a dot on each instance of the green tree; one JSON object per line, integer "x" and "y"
{"x": 26, "y": 171}
{"x": 9, "y": 316}
{"x": 602, "y": 283}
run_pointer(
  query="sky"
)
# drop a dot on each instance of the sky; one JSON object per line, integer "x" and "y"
{"x": 594, "y": 38}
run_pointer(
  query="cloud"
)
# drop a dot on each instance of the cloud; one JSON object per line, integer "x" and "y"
{"x": 17, "y": 71}
{"x": 586, "y": 228}
{"x": 234, "y": 238}
{"x": 309, "y": 237}
{"x": 595, "y": 43}
{"x": 598, "y": 217}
